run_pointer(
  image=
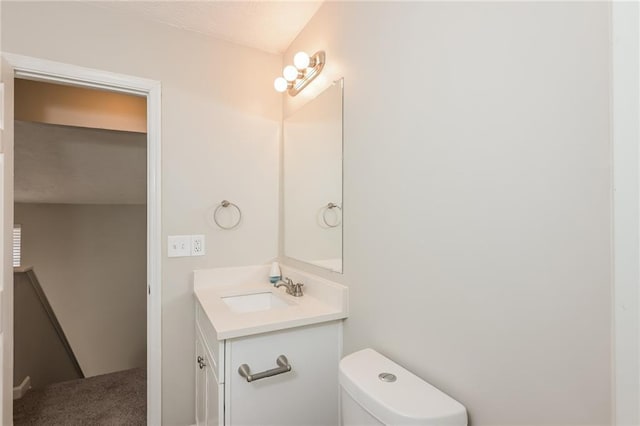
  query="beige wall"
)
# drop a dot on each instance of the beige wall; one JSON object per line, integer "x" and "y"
{"x": 220, "y": 132}
{"x": 39, "y": 353}
{"x": 91, "y": 263}
{"x": 77, "y": 106}
{"x": 477, "y": 198}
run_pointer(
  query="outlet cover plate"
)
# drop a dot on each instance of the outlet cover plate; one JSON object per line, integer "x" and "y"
{"x": 197, "y": 245}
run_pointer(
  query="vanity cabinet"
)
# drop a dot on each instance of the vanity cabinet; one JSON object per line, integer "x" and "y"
{"x": 209, "y": 392}
{"x": 306, "y": 395}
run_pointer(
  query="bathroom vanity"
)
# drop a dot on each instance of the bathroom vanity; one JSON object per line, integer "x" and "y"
{"x": 264, "y": 356}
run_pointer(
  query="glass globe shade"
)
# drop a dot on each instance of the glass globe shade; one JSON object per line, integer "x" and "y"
{"x": 301, "y": 60}
{"x": 290, "y": 73}
{"x": 280, "y": 84}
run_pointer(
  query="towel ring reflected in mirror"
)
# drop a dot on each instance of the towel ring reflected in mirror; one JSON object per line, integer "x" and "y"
{"x": 329, "y": 207}
{"x": 223, "y": 205}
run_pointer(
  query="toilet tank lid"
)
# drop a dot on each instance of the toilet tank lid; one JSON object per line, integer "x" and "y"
{"x": 408, "y": 400}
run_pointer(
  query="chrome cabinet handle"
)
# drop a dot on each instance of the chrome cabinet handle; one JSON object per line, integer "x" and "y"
{"x": 201, "y": 362}
{"x": 283, "y": 367}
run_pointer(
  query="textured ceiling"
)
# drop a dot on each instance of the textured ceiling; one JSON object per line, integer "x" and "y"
{"x": 266, "y": 25}
{"x": 77, "y": 165}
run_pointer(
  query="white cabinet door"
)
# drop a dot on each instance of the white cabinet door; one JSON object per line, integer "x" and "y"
{"x": 201, "y": 381}
{"x": 307, "y": 395}
{"x": 209, "y": 394}
{"x": 215, "y": 407}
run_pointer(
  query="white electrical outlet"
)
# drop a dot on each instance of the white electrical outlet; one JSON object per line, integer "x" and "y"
{"x": 179, "y": 245}
{"x": 197, "y": 245}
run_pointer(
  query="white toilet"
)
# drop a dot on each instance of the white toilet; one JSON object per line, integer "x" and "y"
{"x": 377, "y": 391}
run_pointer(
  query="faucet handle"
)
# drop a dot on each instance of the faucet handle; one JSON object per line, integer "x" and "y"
{"x": 297, "y": 290}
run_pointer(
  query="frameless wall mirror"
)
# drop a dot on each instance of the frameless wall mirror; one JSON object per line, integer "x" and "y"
{"x": 313, "y": 181}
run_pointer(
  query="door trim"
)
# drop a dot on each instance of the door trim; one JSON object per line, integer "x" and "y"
{"x": 56, "y": 72}
{"x": 625, "y": 132}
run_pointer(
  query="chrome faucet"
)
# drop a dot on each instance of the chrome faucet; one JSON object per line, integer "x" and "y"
{"x": 292, "y": 289}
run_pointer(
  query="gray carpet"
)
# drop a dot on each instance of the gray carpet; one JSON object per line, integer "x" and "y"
{"x": 111, "y": 399}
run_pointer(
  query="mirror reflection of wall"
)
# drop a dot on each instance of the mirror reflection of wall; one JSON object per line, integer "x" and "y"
{"x": 313, "y": 181}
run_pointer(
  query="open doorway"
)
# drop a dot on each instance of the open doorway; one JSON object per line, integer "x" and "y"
{"x": 80, "y": 287}
{"x": 17, "y": 67}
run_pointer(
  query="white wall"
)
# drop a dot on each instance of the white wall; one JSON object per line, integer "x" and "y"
{"x": 220, "y": 132}
{"x": 487, "y": 125}
{"x": 91, "y": 263}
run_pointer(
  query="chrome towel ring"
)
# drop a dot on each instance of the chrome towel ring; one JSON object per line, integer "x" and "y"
{"x": 223, "y": 205}
{"x": 329, "y": 207}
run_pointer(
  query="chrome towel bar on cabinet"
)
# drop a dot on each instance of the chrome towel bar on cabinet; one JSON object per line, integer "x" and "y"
{"x": 283, "y": 367}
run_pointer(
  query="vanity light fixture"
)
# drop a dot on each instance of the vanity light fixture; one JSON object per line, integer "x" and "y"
{"x": 298, "y": 76}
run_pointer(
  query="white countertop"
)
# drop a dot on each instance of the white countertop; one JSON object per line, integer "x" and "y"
{"x": 323, "y": 300}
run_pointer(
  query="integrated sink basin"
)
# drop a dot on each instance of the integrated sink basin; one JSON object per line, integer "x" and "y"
{"x": 254, "y": 302}
{"x": 240, "y": 302}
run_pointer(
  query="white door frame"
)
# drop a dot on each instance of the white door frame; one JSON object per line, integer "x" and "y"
{"x": 625, "y": 116}
{"x": 55, "y": 72}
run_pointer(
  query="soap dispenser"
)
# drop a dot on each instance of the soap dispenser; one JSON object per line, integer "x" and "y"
{"x": 275, "y": 274}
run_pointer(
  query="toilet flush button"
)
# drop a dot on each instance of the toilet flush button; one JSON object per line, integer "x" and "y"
{"x": 387, "y": 377}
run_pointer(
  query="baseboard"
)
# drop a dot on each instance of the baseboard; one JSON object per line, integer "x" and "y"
{"x": 20, "y": 390}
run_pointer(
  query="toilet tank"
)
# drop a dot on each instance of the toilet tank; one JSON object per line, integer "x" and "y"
{"x": 377, "y": 391}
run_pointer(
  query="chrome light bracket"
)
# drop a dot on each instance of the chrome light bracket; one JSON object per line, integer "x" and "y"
{"x": 316, "y": 64}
